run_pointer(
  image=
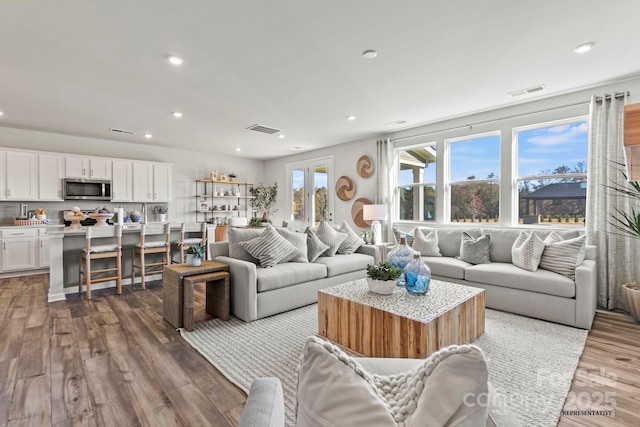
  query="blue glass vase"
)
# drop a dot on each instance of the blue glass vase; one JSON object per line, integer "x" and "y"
{"x": 417, "y": 276}
{"x": 400, "y": 257}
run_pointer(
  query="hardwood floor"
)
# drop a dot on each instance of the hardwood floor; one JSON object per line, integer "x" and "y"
{"x": 114, "y": 361}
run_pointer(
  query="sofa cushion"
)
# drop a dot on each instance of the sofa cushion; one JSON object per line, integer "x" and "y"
{"x": 341, "y": 264}
{"x": 299, "y": 241}
{"x": 270, "y": 248}
{"x": 330, "y": 237}
{"x": 288, "y": 274}
{"x": 351, "y": 241}
{"x": 527, "y": 251}
{"x": 426, "y": 243}
{"x": 335, "y": 390}
{"x": 510, "y": 276}
{"x": 237, "y": 235}
{"x": 475, "y": 250}
{"x": 563, "y": 256}
{"x": 502, "y": 240}
{"x": 447, "y": 267}
{"x": 449, "y": 239}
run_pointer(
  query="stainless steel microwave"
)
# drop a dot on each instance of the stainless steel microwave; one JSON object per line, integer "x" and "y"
{"x": 86, "y": 189}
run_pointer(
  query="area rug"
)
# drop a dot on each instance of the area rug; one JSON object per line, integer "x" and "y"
{"x": 531, "y": 362}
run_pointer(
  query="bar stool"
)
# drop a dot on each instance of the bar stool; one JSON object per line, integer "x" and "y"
{"x": 144, "y": 248}
{"x": 183, "y": 244}
{"x": 100, "y": 252}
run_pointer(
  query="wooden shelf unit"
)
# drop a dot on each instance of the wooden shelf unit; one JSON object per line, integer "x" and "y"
{"x": 208, "y": 193}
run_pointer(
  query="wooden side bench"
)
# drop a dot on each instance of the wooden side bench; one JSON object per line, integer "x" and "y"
{"x": 217, "y": 296}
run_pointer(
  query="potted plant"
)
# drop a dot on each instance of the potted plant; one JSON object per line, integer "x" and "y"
{"x": 195, "y": 255}
{"x": 628, "y": 223}
{"x": 161, "y": 212}
{"x": 381, "y": 277}
{"x": 264, "y": 199}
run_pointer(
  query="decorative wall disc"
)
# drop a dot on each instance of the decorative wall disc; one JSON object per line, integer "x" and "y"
{"x": 356, "y": 212}
{"x": 365, "y": 166}
{"x": 345, "y": 188}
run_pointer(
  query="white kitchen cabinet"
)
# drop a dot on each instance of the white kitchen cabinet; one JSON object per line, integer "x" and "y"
{"x": 142, "y": 182}
{"x": 122, "y": 181}
{"x": 50, "y": 174}
{"x": 161, "y": 182}
{"x": 22, "y": 175}
{"x": 88, "y": 167}
{"x": 18, "y": 247}
{"x": 42, "y": 244}
{"x": 3, "y": 175}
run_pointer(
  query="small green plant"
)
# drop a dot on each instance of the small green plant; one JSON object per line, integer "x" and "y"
{"x": 196, "y": 250}
{"x": 257, "y": 221}
{"x": 160, "y": 209}
{"x": 383, "y": 271}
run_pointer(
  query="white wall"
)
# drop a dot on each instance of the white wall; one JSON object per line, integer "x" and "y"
{"x": 345, "y": 157}
{"x": 187, "y": 165}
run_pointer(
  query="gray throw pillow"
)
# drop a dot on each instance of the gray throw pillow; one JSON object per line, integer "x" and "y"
{"x": 315, "y": 247}
{"x": 563, "y": 256}
{"x": 426, "y": 244}
{"x": 351, "y": 242}
{"x": 270, "y": 248}
{"x": 527, "y": 250}
{"x": 330, "y": 237}
{"x": 408, "y": 236}
{"x": 299, "y": 240}
{"x": 475, "y": 251}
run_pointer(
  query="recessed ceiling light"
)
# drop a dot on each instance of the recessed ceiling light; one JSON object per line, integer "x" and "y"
{"x": 585, "y": 47}
{"x": 147, "y": 135}
{"x": 1, "y": 113}
{"x": 295, "y": 148}
{"x": 282, "y": 136}
{"x": 370, "y": 54}
{"x": 238, "y": 149}
{"x": 177, "y": 114}
{"x": 175, "y": 60}
{"x": 352, "y": 118}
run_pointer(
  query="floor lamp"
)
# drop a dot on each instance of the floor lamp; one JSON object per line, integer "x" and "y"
{"x": 375, "y": 213}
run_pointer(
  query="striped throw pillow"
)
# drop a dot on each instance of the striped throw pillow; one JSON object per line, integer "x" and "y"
{"x": 315, "y": 247}
{"x": 299, "y": 241}
{"x": 351, "y": 242}
{"x": 330, "y": 237}
{"x": 270, "y": 248}
{"x": 563, "y": 256}
{"x": 426, "y": 244}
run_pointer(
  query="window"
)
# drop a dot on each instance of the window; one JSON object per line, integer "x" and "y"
{"x": 309, "y": 185}
{"x": 417, "y": 183}
{"x": 552, "y": 172}
{"x": 474, "y": 178}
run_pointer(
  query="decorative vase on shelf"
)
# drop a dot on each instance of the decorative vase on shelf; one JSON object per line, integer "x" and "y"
{"x": 135, "y": 216}
{"x": 417, "y": 276}
{"x": 400, "y": 256}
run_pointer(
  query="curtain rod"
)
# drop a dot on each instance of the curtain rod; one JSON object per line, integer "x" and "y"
{"x": 470, "y": 125}
{"x": 615, "y": 95}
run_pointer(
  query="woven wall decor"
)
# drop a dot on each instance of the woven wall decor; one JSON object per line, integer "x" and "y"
{"x": 365, "y": 166}
{"x": 356, "y": 212}
{"x": 345, "y": 188}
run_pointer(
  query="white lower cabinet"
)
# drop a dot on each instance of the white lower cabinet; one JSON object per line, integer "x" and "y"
{"x": 18, "y": 249}
{"x": 42, "y": 244}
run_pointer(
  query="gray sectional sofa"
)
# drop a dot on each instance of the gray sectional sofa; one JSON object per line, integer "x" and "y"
{"x": 542, "y": 294}
{"x": 258, "y": 292}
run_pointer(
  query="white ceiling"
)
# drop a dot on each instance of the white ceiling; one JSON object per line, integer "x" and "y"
{"x": 81, "y": 67}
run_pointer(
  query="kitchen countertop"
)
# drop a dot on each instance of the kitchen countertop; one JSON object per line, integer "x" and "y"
{"x": 152, "y": 228}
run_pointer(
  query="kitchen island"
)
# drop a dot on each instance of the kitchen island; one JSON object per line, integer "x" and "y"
{"x": 65, "y": 244}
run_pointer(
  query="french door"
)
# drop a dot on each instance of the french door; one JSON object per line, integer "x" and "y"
{"x": 310, "y": 189}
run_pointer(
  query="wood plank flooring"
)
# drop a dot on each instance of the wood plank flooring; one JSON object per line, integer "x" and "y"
{"x": 113, "y": 361}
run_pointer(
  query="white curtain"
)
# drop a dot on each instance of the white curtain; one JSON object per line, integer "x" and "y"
{"x": 384, "y": 193}
{"x": 613, "y": 250}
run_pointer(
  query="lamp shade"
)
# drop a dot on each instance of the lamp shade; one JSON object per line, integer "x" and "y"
{"x": 374, "y": 212}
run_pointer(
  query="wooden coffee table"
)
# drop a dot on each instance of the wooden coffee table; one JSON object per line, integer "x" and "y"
{"x": 401, "y": 324}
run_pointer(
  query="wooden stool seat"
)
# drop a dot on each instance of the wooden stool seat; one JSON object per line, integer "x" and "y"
{"x": 160, "y": 249}
{"x": 217, "y": 296}
{"x": 90, "y": 275}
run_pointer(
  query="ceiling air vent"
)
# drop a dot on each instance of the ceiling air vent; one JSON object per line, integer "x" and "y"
{"x": 128, "y": 132}
{"x": 263, "y": 129}
{"x": 534, "y": 89}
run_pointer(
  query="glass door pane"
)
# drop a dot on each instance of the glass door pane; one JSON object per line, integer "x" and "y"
{"x": 320, "y": 191}
{"x": 297, "y": 195}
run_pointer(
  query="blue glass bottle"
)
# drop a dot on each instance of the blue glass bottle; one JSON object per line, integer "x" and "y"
{"x": 400, "y": 257}
{"x": 417, "y": 276}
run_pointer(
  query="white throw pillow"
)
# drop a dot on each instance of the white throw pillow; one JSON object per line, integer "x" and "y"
{"x": 426, "y": 244}
{"x": 330, "y": 237}
{"x": 527, "y": 250}
{"x": 315, "y": 246}
{"x": 299, "y": 241}
{"x": 335, "y": 390}
{"x": 563, "y": 256}
{"x": 351, "y": 241}
{"x": 270, "y": 248}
